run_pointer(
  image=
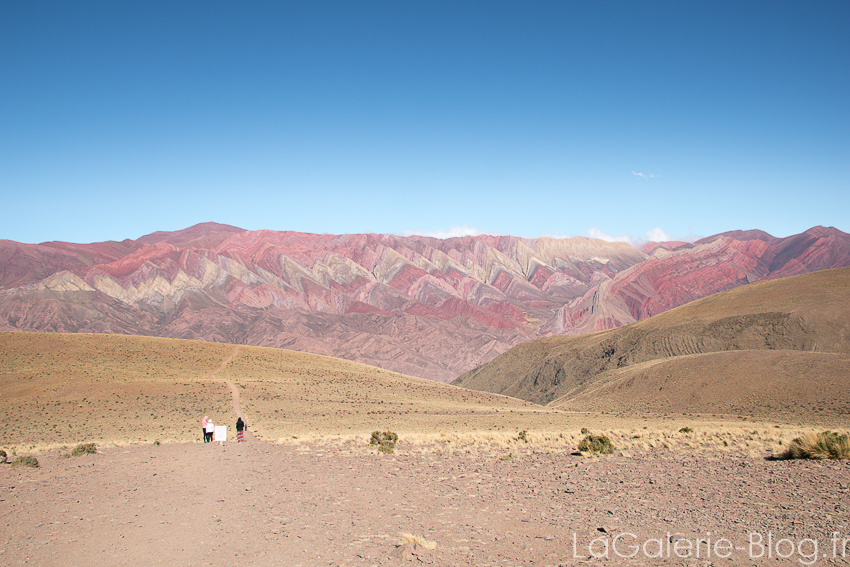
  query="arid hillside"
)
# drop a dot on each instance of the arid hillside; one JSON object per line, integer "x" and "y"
{"x": 475, "y": 478}
{"x": 779, "y": 347}
{"x": 61, "y": 389}
{"x": 420, "y": 306}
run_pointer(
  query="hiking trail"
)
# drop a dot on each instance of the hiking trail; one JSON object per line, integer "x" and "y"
{"x": 234, "y": 392}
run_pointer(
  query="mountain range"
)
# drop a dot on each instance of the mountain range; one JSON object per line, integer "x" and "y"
{"x": 427, "y": 307}
{"x": 777, "y": 348}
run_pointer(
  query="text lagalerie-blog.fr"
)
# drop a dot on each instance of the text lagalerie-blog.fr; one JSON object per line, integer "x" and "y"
{"x": 759, "y": 546}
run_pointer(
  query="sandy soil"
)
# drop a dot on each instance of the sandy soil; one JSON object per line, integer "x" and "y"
{"x": 471, "y": 485}
{"x": 343, "y": 504}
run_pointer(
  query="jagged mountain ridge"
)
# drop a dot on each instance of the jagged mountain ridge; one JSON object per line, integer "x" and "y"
{"x": 423, "y": 306}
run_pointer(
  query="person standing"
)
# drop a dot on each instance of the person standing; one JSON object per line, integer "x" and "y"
{"x": 209, "y": 431}
{"x": 204, "y": 428}
{"x": 240, "y": 430}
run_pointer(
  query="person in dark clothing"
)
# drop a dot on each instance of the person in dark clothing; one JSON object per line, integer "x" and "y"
{"x": 240, "y": 430}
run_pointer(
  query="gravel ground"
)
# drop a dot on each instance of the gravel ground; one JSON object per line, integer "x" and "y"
{"x": 290, "y": 505}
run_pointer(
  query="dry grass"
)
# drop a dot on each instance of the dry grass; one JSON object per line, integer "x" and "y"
{"x": 596, "y": 444}
{"x": 57, "y": 391}
{"x": 823, "y": 445}
{"x": 778, "y": 384}
{"x": 84, "y": 449}
{"x": 408, "y": 538}
{"x": 25, "y": 461}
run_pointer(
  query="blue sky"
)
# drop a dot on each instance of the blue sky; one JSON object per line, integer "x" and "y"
{"x": 685, "y": 119}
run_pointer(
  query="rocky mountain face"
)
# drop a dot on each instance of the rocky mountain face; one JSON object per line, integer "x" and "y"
{"x": 785, "y": 339}
{"x": 422, "y": 306}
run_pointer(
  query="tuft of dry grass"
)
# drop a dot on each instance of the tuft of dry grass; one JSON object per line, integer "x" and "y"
{"x": 25, "y": 461}
{"x": 84, "y": 449}
{"x": 596, "y": 444}
{"x": 408, "y": 538}
{"x": 385, "y": 441}
{"x": 823, "y": 445}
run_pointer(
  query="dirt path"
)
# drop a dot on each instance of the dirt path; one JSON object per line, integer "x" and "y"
{"x": 234, "y": 391}
{"x": 237, "y": 409}
{"x": 224, "y": 362}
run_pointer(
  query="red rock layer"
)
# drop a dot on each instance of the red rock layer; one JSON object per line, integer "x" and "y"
{"x": 423, "y": 306}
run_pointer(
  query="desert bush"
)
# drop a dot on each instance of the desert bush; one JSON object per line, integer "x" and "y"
{"x": 26, "y": 461}
{"x": 3, "y": 456}
{"x": 585, "y": 431}
{"x": 523, "y": 436}
{"x": 823, "y": 445}
{"x": 596, "y": 444}
{"x": 686, "y": 430}
{"x": 84, "y": 449}
{"x": 385, "y": 441}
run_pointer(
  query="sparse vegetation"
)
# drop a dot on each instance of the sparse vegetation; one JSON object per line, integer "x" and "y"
{"x": 385, "y": 441}
{"x": 408, "y": 538}
{"x": 25, "y": 461}
{"x": 84, "y": 449}
{"x": 523, "y": 436}
{"x": 596, "y": 444}
{"x": 823, "y": 445}
{"x": 507, "y": 457}
{"x": 686, "y": 430}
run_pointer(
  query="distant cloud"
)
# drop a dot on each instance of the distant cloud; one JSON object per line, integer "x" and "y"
{"x": 656, "y": 234}
{"x": 645, "y": 175}
{"x": 453, "y": 232}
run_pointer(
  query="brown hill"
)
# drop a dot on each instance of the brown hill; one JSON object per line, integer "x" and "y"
{"x": 420, "y": 306}
{"x": 61, "y": 389}
{"x": 756, "y": 349}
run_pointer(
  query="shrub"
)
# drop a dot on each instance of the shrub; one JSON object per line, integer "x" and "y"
{"x": 686, "y": 430}
{"x": 26, "y": 461}
{"x": 84, "y": 449}
{"x": 823, "y": 445}
{"x": 585, "y": 431}
{"x": 385, "y": 441}
{"x": 3, "y": 456}
{"x": 596, "y": 444}
{"x": 523, "y": 436}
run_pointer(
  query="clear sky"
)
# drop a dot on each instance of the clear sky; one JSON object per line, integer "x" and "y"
{"x": 678, "y": 119}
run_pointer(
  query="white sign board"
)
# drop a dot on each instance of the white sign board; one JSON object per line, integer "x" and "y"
{"x": 220, "y": 433}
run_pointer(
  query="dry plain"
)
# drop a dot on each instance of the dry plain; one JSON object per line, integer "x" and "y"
{"x": 487, "y": 479}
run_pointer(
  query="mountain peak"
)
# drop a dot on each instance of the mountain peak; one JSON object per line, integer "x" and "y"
{"x": 418, "y": 305}
{"x": 202, "y": 235}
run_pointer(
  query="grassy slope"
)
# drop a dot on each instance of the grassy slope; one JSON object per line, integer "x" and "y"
{"x": 793, "y": 316}
{"x": 783, "y": 385}
{"x": 61, "y": 389}
{"x": 57, "y": 390}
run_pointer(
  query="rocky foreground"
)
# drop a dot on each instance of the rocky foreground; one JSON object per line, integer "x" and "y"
{"x": 265, "y": 504}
